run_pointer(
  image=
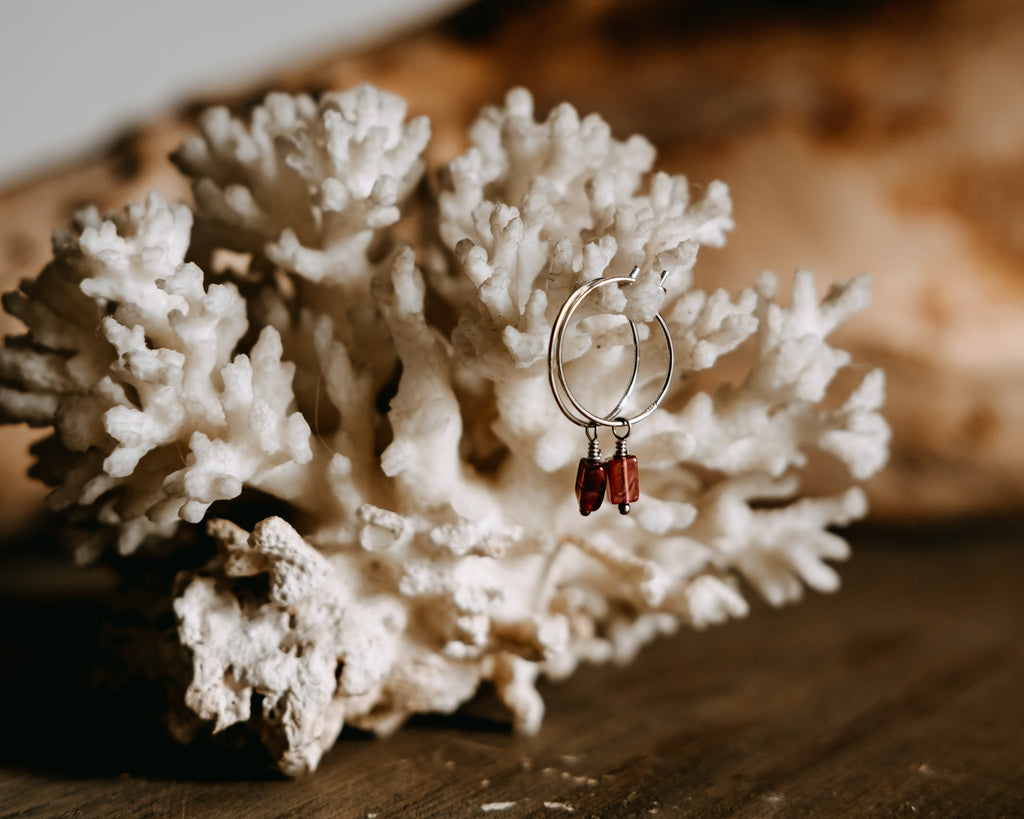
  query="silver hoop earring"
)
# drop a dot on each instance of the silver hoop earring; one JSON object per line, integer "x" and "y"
{"x": 619, "y": 475}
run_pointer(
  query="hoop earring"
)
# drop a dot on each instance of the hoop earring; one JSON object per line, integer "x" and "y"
{"x": 620, "y": 475}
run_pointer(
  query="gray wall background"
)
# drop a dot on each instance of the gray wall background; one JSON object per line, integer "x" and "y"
{"x": 74, "y": 72}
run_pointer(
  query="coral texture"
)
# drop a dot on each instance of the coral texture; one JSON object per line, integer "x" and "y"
{"x": 395, "y": 402}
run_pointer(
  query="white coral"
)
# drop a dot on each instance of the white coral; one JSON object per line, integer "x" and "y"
{"x": 156, "y": 417}
{"x": 309, "y": 183}
{"x": 400, "y": 406}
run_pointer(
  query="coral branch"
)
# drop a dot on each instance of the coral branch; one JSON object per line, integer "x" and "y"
{"x": 392, "y": 403}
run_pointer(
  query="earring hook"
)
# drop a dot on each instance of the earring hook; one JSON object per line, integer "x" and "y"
{"x": 556, "y": 367}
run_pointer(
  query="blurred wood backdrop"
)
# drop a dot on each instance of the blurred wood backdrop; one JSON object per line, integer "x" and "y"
{"x": 856, "y": 135}
{"x": 886, "y": 137}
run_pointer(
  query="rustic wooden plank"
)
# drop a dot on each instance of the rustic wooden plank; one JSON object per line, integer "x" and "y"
{"x": 900, "y": 695}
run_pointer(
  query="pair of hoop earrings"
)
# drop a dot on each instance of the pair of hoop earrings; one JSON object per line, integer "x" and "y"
{"x": 620, "y": 475}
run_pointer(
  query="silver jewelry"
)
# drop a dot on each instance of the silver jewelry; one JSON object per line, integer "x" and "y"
{"x": 619, "y": 474}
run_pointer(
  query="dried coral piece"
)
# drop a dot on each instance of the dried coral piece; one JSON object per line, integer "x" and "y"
{"x": 395, "y": 400}
{"x": 309, "y": 184}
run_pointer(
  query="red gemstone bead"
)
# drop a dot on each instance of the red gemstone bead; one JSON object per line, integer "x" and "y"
{"x": 591, "y": 479}
{"x": 623, "y": 481}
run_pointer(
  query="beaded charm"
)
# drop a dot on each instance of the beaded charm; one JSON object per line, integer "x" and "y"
{"x": 623, "y": 474}
{"x": 591, "y": 476}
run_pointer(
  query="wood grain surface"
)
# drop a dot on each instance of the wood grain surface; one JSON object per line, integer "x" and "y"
{"x": 898, "y": 696}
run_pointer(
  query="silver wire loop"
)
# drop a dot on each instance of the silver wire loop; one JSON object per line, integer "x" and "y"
{"x": 567, "y": 310}
{"x": 556, "y": 367}
{"x": 622, "y": 422}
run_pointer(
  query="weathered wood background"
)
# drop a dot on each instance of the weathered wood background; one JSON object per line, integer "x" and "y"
{"x": 855, "y": 136}
{"x": 886, "y": 137}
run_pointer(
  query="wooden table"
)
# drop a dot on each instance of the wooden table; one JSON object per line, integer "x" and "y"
{"x": 899, "y": 696}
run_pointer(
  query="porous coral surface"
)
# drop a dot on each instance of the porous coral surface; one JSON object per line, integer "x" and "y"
{"x": 283, "y": 338}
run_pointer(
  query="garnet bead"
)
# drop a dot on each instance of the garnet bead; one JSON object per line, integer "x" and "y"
{"x": 623, "y": 481}
{"x": 591, "y": 479}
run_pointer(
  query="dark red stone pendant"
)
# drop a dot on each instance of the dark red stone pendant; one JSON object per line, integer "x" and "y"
{"x": 591, "y": 480}
{"x": 592, "y": 476}
{"x": 623, "y": 478}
